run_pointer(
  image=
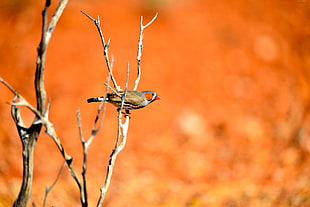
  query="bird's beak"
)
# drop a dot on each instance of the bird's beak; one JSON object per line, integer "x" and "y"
{"x": 157, "y": 97}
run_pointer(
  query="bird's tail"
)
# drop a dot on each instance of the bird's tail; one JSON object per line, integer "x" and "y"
{"x": 95, "y": 99}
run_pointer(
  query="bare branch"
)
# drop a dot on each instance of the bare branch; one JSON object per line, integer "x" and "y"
{"x": 150, "y": 22}
{"x": 121, "y": 135}
{"x": 40, "y": 67}
{"x": 29, "y": 135}
{"x": 9, "y": 86}
{"x": 122, "y": 132}
{"x": 54, "y": 19}
{"x": 47, "y": 30}
{"x": 101, "y": 110}
{"x": 105, "y": 49}
{"x": 86, "y": 144}
{"x": 50, "y": 130}
{"x": 109, "y": 87}
{"x": 83, "y": 190}
{"x": 140, "y": 49}
{"x": 15, "y": 112}
{"x": 48, "y": 189}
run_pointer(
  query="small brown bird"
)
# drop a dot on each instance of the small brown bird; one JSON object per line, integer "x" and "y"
{"x": 133, "y": 99}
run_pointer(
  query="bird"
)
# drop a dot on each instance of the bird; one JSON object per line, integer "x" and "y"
{"x": 133, "y": 99}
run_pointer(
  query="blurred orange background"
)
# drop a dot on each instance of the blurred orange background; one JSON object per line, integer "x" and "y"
{"x": 232, "y": 128}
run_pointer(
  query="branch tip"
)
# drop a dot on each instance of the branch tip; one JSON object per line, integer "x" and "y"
{"x": 150, "y": 22}
{"x": 87, "y": 15}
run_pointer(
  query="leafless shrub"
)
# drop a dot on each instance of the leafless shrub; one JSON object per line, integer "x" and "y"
{"x": 29, "y": 135}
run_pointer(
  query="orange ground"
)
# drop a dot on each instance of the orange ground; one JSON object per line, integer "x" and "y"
{"x": 232, "y": 128}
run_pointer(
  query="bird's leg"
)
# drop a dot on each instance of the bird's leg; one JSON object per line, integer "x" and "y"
{"x": 126, "y": 113}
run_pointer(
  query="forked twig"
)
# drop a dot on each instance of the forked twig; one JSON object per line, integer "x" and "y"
{"x": 86, "y": 143}
{"x": 48, "y": 189}
{"x": 140, "y": 48}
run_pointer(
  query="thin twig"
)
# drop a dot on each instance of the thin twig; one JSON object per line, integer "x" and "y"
{"x": 109, "y": 87}
{"x": 85, "y": 144}
{"x": 119, "y": 134}
{"x": 105, "y": 49}
{"x": 119, "y": 145}
{"x": 140, "y": 48}
{"x": 101, "y": 110}
{"x": 48, "y": 189}
{"x": 8, "y": 86}
{"x": 83, "y": 190}
{"x": 54, "y": 19}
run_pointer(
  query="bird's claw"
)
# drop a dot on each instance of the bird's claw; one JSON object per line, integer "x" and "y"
{"x": 126, "y": 113}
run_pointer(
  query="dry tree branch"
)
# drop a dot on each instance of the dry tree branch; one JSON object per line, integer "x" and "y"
{"x": 85, "y": 144}
{"x": 47, "y": 31}
{"x": 50, "y": 130}
{"x": 23, "y": 132}
{"x": 140, "y": 48}
{"x": 101, "y": 109}
{"x": 29, "y": 135}
{"x": 9, "y": 86}
{"x": 119, "y": 145}
{"x": 48, "y": 189}
{"x": 105, "y": 49}
{"x": 54, "y": 19}
{"x": 122, "y": 132}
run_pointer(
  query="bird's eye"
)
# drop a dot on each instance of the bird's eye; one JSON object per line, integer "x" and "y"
{"x": 148, "y": 96}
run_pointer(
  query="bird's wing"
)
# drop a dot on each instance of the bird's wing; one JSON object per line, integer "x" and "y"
{"x": 132, "y": 97}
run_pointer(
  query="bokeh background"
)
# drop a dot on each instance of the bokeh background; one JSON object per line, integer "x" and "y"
{"x": 232, "y": 128}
